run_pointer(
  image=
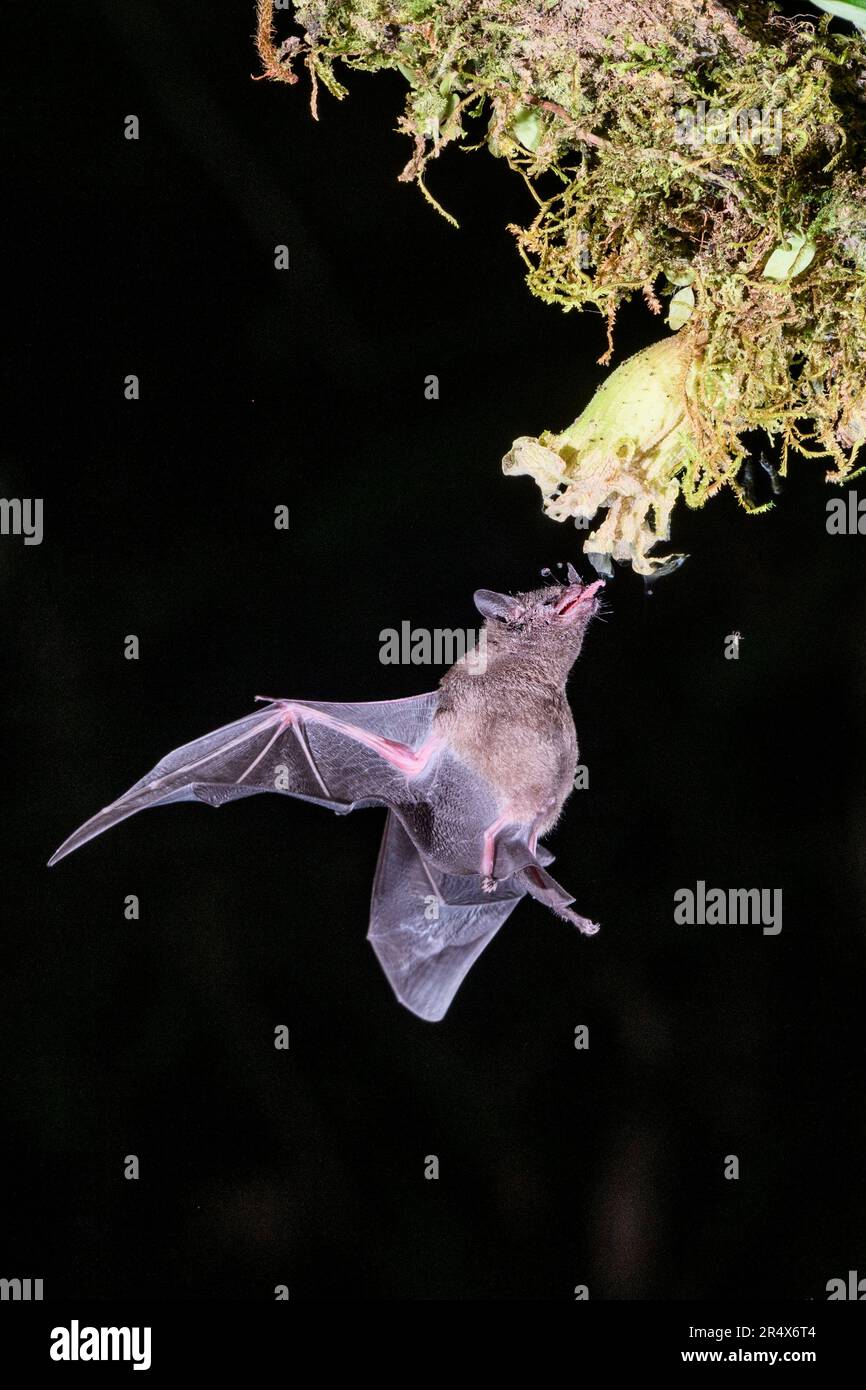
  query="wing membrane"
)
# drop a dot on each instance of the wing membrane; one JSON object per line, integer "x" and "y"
{"x": 313, "y": 757}
{"x": 428, "y": 928}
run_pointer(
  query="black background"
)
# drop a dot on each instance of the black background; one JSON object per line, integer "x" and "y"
{"x": 305, "y": 387}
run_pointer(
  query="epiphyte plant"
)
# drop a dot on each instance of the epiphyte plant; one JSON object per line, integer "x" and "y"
{"x": 704, "y": 155}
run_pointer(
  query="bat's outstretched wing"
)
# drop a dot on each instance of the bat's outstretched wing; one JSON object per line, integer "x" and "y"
{"x": 427, "y": 927}
{"x": 430, "y": 917}
{"x": 339, "y": 755}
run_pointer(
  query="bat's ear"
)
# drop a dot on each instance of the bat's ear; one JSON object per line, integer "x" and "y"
{"x": 493, "y": 605}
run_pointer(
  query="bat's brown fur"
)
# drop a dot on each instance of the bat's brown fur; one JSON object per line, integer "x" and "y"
{"x": 511, "y": 721}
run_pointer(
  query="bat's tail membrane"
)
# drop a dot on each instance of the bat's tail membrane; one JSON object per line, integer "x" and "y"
{"x": 428, "y": 928}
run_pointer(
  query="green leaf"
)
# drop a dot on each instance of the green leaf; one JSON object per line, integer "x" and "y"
{"x": 528, "y": 127}
{"x": 681, "y": 306}
{"x": 854, "y": 11}
{"x": 449, "y": 106}
{"x": 789, "y": 259}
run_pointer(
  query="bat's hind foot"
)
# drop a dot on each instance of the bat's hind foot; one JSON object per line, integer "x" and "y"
{"x": 488, "y": 884}
{"x": 583, "y": 924}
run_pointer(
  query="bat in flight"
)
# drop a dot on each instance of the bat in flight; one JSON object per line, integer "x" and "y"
{"x": 472, "y": 775}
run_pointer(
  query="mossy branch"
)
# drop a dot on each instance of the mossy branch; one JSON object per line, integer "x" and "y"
{"x": 701, "y": 154}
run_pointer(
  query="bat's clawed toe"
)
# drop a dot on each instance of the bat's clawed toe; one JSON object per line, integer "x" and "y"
{"x": 488, "y": 884}
{"x": 583, "y": 924}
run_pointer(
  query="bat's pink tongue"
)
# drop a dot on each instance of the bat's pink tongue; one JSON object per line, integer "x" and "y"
{"x": 572, "y": 600}
{"x": 593, "y": 588}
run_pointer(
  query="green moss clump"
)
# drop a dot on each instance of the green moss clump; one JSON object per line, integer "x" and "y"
{"x": 710, "y": 162}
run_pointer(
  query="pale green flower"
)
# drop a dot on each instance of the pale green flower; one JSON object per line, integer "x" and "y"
{"x": 621, "y": 456}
